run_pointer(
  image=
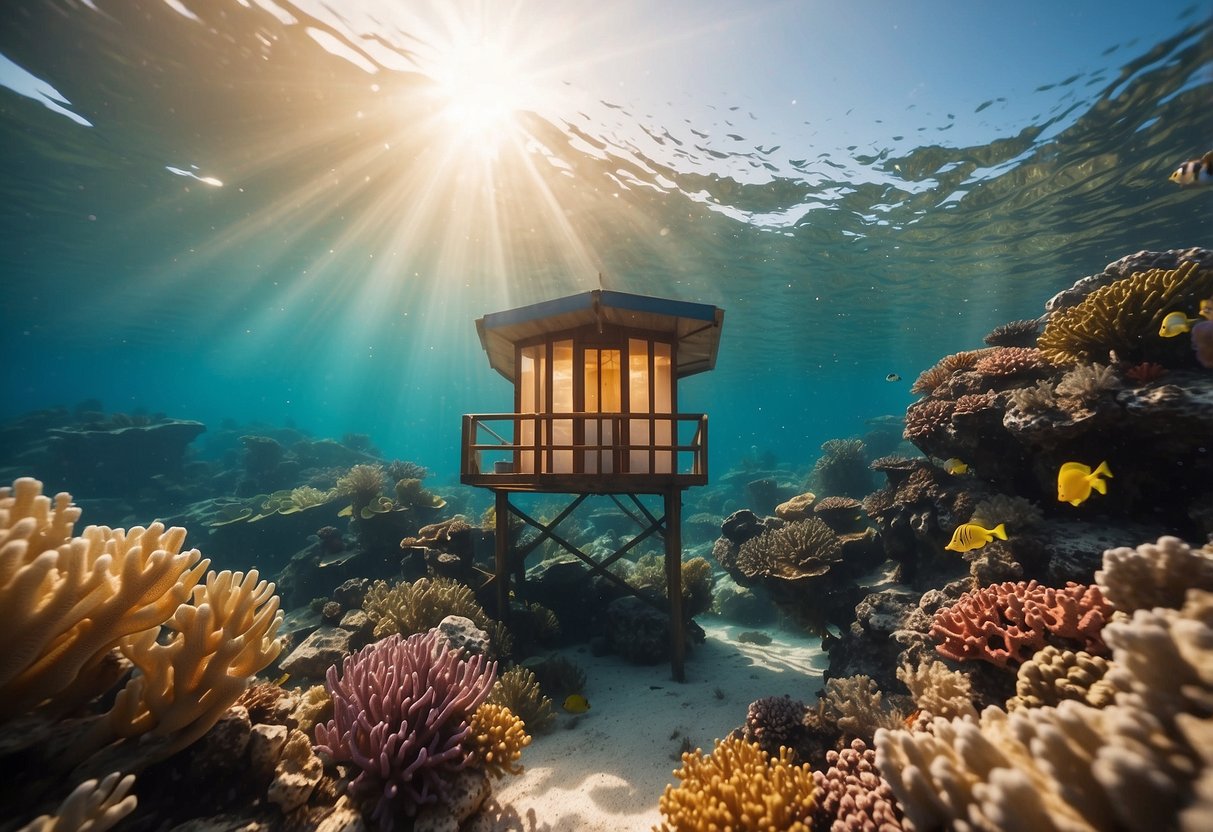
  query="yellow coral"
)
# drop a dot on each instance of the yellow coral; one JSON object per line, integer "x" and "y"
{"x": 66, "y": 601}
{"x": 739, "y": 787}
{"x": 497, "y": 739}
{"x": 1124, "y": 316}
{"x": 518, "y": 690}
{"x": 420, "y": 606}
{"x": 362, "y": 484}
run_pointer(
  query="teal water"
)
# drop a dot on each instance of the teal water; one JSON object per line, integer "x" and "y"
{"x": 278, "y": 212}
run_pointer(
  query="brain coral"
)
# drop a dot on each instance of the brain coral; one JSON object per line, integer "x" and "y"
{"x": 1008, "y": 622}
{"x": 739, "y": 787}
{"x": 1125, "y": 316}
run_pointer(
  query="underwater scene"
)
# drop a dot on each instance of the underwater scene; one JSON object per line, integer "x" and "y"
{"x": 517, "y": 416}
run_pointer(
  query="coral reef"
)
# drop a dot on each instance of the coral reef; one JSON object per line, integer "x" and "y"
{"x": 401, "y": 711}
{"x": 93, "y": 806}
{"x": 1006, "y": 623}
{"x": 1052, "y": 676}
{"x": 1013, "y": 334}
{"x": 851, "y": 794}
{"x": 738, "y": 786}
{"x": 362, "y": 484}
{"x": 842, "y": 469}
{"x": 1154, "y": 574}
{"x": 497, "y": 739}
{"x": 774, "y": 722}
{"x": 409, "y": 608}
{"x": 1002, "y": 362}
{"x": 795, "y": 552}
{"x": 1123, "y": 317}
{"x": 939, "y": 690}
{"x": 856, "y": 705}
{"x": 518, "y": 690}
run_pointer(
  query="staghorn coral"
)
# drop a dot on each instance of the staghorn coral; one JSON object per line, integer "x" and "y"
{"x": 408, "y": 608}
{"x": 797, "y": 551}
{"x": 518, "y": 690}
{"x": 851, "y": 794}
{"x": 938, "y": 690}
{"x": 1124, "y": 317}
{"x": 1002, "y": 362}
{"x": 93, "y": 806}
{"x": 773, "y": 722}
{"x": 926, "y": 419}
{"x": 1087, "y": 382}
{"x": 185, "y": 683}
{"x": 401, "y": 711}
{"x": 738, "y": 786}
{"x": 66, "y": 601}
{"x": 1054, "y": 675}
{"x": 497, "y": 739}
{"x": 1006, "y": 623}
{"x": 1014, "y": 334}
{"x": 856, "y": 705}
{"x": 1154, "y": 574}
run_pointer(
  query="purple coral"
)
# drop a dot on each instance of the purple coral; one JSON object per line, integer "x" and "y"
{"x": 401, "y": 710}
{"x": 774, "y": 721}
{"x": 851, "y": 794}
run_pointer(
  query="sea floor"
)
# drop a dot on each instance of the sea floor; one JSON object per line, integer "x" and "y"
{"x": 606, "y": 769}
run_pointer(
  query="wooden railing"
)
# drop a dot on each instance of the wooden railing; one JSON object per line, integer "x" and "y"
{"x": 593, "y": 452}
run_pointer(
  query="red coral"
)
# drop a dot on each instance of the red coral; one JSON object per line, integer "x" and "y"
{"x": 1145, "y": 372}
{"x": 1006, "y": 623}
{"x": 1011, "y": 361}
{"x": 925, "y": 419}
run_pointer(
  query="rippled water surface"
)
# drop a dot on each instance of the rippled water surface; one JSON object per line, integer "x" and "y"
{"x": 295, "y": 211}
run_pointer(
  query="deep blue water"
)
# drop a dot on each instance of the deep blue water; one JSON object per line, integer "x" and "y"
{"x": 332, "y": 279}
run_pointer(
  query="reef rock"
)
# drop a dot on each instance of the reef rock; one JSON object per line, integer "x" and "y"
{"x": 325, "y": 647}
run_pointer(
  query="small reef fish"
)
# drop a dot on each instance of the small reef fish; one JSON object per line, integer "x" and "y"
{"x": 1176, "y": 323}
{"x": 282, "y": 680}
{"x": 1075, "y": 481}
{"x": 970, "y": 536}
{"x": 1206, "y": 309}
{"x": 892, "y": 377}
{"x": 1194, "y": 172}
{"x": 575, "y": 703}
{"x": 955, "y": 466}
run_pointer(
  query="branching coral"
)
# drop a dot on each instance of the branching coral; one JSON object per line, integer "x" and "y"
{"x": 1052, "y": 676}
{"x": 1087, "y": 382}
{"x": 401, "y": 711}
{"x": 738, "y": 786}
{"x": 938, "y": 690}
{"x": 1006, "y": 623}
{"x": 1154, "y": 574}
{"x": 851, "y": 794}
{"x": 925, "y": 420}
{"x": 497, "y": 739}
{"x": 93, "y": 806}
{"x": 518, "y": 690}
{"x": 856, "y": 705}
{"x": 1002, "y": 362}
{"x": 408, "y": 608}
{"x": 185, "y": 683}
{"x": 798, "y": 551}
{"x": 65, "y": 601}
{"x": 1124, "y": 316}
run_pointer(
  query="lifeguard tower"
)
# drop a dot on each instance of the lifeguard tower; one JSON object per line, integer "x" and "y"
{"x": 595, "y": 380}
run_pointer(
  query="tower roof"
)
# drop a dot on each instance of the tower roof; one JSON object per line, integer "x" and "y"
{"x": 694, "y": 326}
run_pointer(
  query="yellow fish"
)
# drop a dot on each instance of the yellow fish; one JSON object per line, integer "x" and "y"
{"x": 955, "y": 466}
{"x": 970, "y": 536}
{"x": 1176, "y": 323}
{"x": 1194, "y": 171}
{"x": 1075, "y": 481}
{"x": 575, "y": 703}
{"x": 282, "y": 680}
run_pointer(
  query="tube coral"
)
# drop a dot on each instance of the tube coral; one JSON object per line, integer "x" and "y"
{"x": 401, "y": 713}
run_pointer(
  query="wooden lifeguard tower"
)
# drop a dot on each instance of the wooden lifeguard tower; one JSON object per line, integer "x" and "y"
{"x": 595, "y": 380}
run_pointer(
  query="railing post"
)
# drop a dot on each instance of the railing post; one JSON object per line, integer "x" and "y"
{"x": 673, "y": 581}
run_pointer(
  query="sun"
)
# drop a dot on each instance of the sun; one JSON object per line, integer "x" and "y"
{"x": 479, "y": 89}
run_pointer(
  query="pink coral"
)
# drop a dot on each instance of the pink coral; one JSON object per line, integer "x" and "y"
{"x": 851, "y": 794}
{"x": 925, "y": 419}
{"x": 1011, "y": 361}
{"x": 401, "y": 711}
{"x": 1006, "y": 623}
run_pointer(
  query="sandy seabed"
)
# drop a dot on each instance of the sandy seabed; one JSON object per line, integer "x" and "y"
{"x": 605, "y": 770}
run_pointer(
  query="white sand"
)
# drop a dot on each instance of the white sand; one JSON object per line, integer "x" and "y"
{"x": 606, "y": 769}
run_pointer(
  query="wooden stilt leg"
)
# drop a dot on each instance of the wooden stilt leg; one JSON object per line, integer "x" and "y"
{"x": 673, "y": 577}
{"x": 501, "y": 565}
